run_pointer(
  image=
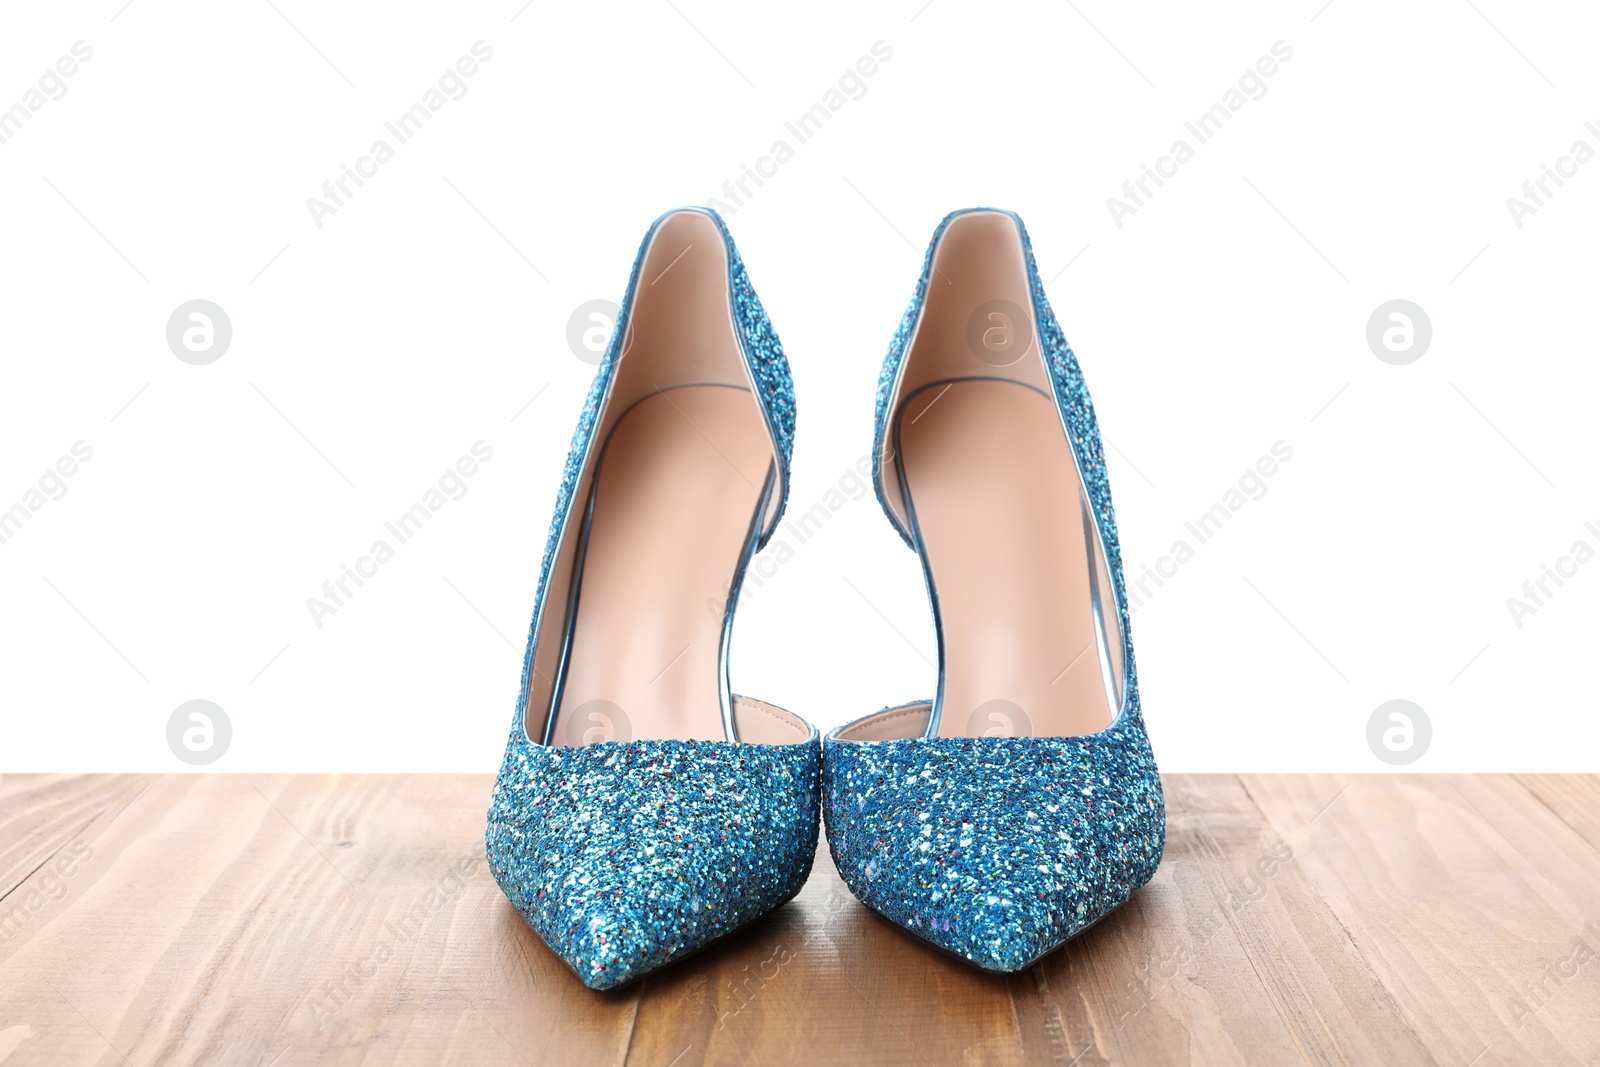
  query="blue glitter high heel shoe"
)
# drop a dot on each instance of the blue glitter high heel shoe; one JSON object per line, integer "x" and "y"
{"x": 643, "y": 810}
{"x": 1022, "y": 803}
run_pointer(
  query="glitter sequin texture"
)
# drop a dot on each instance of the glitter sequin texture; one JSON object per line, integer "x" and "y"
{"x": 997, "y": 849}
{"x": 1000, "y": 849}
{"x": 625, "y": 856}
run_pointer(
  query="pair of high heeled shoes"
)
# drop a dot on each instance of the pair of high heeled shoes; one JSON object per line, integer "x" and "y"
{"x": 643, "y": 810}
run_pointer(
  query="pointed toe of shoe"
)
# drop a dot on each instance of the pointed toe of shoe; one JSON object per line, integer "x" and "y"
{"x": 626, "y": 856}
{"x": 996, "y": 849}
{"x": 610, "y": 934}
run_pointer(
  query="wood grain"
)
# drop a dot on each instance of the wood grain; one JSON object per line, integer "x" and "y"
{"x": 1575, "y": 798}
{"x": 1463, "y": 894}
{"x": 351, "y": 920}
{"x": 40, "y": 813}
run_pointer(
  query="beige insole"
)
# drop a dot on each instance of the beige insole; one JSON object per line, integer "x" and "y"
{"x": 998, "y": 503}
{"x": 677, "y": 490}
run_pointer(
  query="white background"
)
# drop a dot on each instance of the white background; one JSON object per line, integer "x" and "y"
{"x": 430, "y": 312}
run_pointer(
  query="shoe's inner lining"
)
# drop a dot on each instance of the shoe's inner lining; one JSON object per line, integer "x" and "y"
{"x": 682, "y": 455}
{"x": 677, "y": 491}
{"x": 985, "y": 475}
{"x": 760, "y": 723}
{"x": 890, "y": 724}
{"x": 992, "y": 488}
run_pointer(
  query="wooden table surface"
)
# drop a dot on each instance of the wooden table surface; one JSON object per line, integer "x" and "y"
{"x": 229, "y": 919}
